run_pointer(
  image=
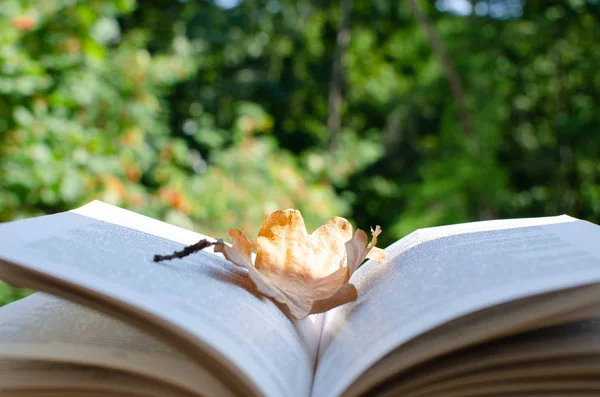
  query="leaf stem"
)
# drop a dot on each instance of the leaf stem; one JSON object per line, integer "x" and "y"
{"x": 190, "y": 249}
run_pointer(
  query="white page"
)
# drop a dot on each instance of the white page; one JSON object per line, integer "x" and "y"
{"x": 43, "y": 327}
{"x": 109, "y": 250}
{"x": 438, "y": 274}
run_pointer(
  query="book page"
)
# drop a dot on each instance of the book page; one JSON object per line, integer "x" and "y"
{"x": 571, "y": 349}
{"x": 479, "y": 330}
{"x": 43, "y": 327}
{"x": 40, "y": 378}
{"x": 436, "y": 275}
{"x": 204, "y": 300}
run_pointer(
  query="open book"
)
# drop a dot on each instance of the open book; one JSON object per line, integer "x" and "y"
{"x": 482, "y": 309}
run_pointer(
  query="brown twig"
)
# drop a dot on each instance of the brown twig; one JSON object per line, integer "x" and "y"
{"x": 190, "y": 249}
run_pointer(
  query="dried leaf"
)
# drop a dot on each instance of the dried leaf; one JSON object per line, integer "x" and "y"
{"x": 308, "y": 273}
{"x": 240, "y": 254}
{"x": 241, "y": 244}
{"x": 346, "y": 294}
{"x": 377, "y": 254}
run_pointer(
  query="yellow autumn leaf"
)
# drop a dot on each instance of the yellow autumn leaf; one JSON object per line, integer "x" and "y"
{"x": 308, "y": 273}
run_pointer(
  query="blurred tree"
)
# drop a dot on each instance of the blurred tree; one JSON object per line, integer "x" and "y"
{"x": 530, "y": 85}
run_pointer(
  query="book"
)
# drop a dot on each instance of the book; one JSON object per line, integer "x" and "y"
{"x": 491, "y": 308}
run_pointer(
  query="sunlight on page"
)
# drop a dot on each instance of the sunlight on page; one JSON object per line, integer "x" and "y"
{"x": 109, "y": 250}
{"x": 120, "y": 217}
{"x": 437, "y": 274}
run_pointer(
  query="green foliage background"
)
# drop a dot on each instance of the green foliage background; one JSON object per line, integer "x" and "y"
{"x": 210, "y": 114}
